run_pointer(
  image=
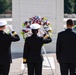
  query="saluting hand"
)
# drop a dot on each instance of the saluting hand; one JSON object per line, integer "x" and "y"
{"x": 24, "y": 61}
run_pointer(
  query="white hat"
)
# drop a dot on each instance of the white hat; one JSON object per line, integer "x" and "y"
{"x": 3, "y": 22}
{"x": 35, "y": 26}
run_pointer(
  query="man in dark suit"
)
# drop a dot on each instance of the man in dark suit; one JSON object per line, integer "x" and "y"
{"x": 5, "y": 45}
{"x": 66, "y": 50}
{"x": 32, "y": 51}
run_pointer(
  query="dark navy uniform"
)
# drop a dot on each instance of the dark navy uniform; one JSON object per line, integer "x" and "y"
{"x": 5, "y": 52}
{"x": 32, "y": 53}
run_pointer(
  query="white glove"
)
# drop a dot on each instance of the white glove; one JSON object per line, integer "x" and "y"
{"x": 10, "y": 28}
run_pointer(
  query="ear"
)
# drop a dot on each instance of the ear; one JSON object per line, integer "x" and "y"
{"x": 4, "y": 27}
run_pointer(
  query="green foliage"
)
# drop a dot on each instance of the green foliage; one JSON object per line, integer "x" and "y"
{"x": 5, "y": 5}
{"x": 74, "y": 6}
{"x": 69, "y": 6}
{"x": 23, "y": 34}
{"x": 9, "y": 4}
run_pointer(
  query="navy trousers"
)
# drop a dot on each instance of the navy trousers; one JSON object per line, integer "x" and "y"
{"x": 4, "y": 69}
{"x": 34, "y": 68}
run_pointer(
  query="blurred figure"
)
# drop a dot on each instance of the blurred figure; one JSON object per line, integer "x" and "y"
{"x": 5, "y": 46}
{"x": 32, "y": 50}
{"x": 66, "y": 49}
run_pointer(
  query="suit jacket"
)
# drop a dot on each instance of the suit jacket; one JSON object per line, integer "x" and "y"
{"x": 5, "y": 47}
{"x": 66, "y": 47}
{"x": 32, "y": 48}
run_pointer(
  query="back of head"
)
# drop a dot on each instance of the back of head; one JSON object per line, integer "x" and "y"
{"x": 35, "y": 27}
{"x": 70, "y": 22}
{"x": 35, "y": 31}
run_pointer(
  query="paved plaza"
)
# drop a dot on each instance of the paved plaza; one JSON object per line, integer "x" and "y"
{"x": 17, "y": 64}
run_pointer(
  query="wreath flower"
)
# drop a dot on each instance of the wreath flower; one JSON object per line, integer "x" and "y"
{"x": 46, "y": 27}
{"x": 74, "y": 28}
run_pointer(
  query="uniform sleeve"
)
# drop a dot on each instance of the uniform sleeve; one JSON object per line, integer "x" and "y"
{"x": 15, "y": 36}
{"x": 25, "y": 49}
{"x": 58, "y": 47}
{"x": 47, "y": 40}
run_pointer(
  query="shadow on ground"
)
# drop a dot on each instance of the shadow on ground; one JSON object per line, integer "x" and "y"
{"x": 20, "y": 55}
{"x": 17, "y": 55}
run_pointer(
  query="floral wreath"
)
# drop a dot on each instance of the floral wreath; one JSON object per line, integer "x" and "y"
{"x": 46, "y": 27}
{"x": 74, "y": 28}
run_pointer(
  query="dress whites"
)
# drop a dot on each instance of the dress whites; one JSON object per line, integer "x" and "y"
{"x": 66, "y": 51}
{"x": 5, "y": 51}
{"x": 32, "y": 53}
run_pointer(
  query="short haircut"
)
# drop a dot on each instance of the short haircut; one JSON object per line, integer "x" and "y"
{"x": 2, "y": 26}
{"x": 69, "y": 22}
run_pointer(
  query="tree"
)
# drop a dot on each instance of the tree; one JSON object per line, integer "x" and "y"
{"x": 72, "y": 6}
{"x": 9, "y": 4}
{"x": 75, "y": 6}
{"x": 9, "y": 7}
{"x": 67, "y": 6}
{"x": 3, "y": 6}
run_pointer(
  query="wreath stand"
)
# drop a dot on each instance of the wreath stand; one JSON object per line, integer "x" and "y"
{"x": 43, "y": 48}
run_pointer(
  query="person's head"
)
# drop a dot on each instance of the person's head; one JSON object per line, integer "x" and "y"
{"x": 35, "y": 31}
{"x": 69, "y": 23}
{"x": 2, "y": 24}
{"x": 35, "y": 27}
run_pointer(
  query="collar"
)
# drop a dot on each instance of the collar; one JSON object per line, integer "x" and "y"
{"x": 34, "y": 35}
{"x": 68, "y": 29}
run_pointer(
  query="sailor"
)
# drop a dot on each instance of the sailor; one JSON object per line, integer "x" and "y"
{"x": 32, "y": 50}
{"x": 5, "y": 47}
